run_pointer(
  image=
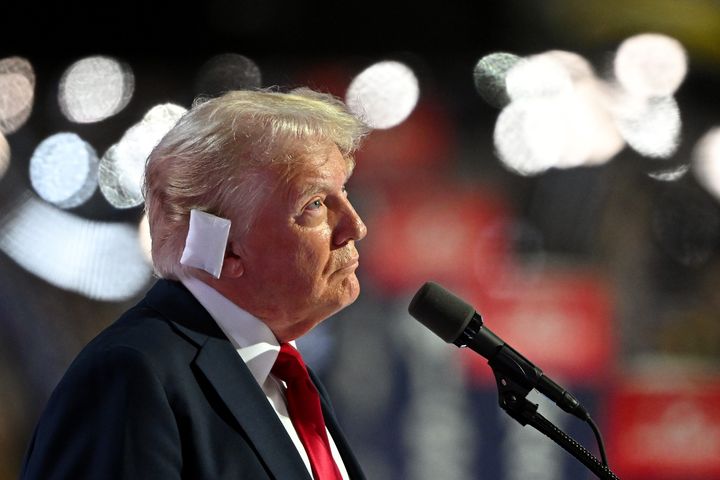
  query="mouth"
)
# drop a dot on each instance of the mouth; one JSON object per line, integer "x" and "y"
{"x": 351, "y": 264}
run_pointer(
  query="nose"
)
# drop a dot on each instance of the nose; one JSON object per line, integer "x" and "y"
{"x": 349, "y": 226}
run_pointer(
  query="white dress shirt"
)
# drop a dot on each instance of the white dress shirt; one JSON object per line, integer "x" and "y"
{"x": 258, "y": 347}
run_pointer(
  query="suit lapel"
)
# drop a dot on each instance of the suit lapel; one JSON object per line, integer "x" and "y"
{"x": 234, "y": 383}
{"x": 229, "y": 376}
{"x": 351, "y": 464}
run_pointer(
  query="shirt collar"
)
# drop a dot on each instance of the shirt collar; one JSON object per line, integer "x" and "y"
{"x": 251, "y": 337}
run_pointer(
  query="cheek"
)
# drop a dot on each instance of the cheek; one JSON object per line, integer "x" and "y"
{"x": 312, "y": 258}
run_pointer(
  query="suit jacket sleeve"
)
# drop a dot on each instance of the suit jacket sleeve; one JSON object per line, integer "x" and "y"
{"x": 109, "y": 418}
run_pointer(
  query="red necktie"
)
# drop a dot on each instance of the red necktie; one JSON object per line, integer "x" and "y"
{"x": 305, "y": 412}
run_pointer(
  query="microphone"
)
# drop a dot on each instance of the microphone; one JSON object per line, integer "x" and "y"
{"x": 457, "y": 322}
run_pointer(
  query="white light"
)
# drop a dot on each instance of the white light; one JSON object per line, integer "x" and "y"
{"x": 651, "y": 126}
{"x": 63, "y": 170}
{"x": 489, "y": 75}
{"x": 122, "y": 168}
{"x": 595, "y": 134}
{"x": 567, "y": 117}
{"x": 530, "y": 136}
{"x": 563, "y": 131}
{"x": 4, "y": 155}
{"x": 100, "y": 260}
{"x": 17, "y": 89}
{"x": 18, "y": 65}
{"x": 384, "y": 94}
{"x": 16, "y": 95}
{"x": 161, "y": 118}
{"x": 591, "y": 136}
{"x": 706, "y": 161}
{"x": 575, "y": 66}
{"x": 670, "y": 174}
{"x": 95, "y": 88}
{"x": 538, "y": 76}
{"x": 559, "y": 116}
{"x": 650, "y": 65}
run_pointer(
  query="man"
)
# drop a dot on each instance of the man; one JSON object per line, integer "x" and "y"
{"x": 254, "y": 241}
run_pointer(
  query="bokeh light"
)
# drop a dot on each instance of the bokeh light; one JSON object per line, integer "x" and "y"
{"x": 706, "y": 161}
{"x": 17, "y": 89}
{"x": 489, "y": 75}
{"x": 229, "y": 71}
{"x": 650, "y": 65}
{"x": 595, "y": 123}
{"x": 584, "y": 119}
{"x": 558, "y": 117}
{"x": 100, "y": 260}
{"x": 530, "y": 135}
{"x": 121, "y": 169}
{"x": 63, "y": 170}
{"x": 670, "y": 174}
{"x": 4, "y": 155}
{"x": 538, "y": 76}
{"x": 95, "y": 88}
{"x": 576, "y": 66}
{"x": 18, "y": 65}
{"x": 651, "y": 126}
{"x": 384, "y": 94}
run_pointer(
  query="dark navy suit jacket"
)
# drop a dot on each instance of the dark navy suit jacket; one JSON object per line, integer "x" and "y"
{"x": 162, "y": 394}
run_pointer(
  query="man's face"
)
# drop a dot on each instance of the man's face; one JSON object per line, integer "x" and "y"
{"x": 300, "y": 257}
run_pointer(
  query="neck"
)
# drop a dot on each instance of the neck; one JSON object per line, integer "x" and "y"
{"x": 285, "y": 326}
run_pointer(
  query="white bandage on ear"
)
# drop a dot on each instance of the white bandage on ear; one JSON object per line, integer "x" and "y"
{"x": 206, "y": 242}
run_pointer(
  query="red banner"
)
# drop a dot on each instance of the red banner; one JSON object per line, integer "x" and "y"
{"x": 435, "y": 231}
{"x": 665, "y": 429}
{"x": 559, "y": 320}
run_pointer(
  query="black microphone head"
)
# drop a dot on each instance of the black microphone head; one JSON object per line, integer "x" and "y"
{"x": 441, "y": 311}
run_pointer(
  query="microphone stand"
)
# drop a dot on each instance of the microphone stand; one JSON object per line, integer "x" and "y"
{"x": 512, "y": 396}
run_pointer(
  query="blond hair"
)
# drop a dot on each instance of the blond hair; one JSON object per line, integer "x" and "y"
{"x": 215, "y": 157}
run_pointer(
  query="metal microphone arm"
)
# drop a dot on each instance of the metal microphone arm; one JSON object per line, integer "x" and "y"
{"x": 513, "y": 400}
{"x": 457, "y": 322}
{"x": 515, "y": 377}
{"x": 508, "y": 361}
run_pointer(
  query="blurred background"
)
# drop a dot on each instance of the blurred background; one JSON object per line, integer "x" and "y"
{"x": 554, "y": 163}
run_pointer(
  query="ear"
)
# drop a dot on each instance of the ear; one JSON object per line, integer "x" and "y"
{"x": 232, "y": 262}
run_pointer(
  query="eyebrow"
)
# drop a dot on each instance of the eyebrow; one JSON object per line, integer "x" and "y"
{"x": 310, "y": 190}
{"x": 320, "y": 186}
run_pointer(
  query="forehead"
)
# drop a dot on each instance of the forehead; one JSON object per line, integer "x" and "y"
{"x": 323, "y": 167}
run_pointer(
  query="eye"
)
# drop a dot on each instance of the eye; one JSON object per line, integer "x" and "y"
{"x": 314, "y": 205}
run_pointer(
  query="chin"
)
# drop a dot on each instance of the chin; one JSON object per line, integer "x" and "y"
{"x": 352, "y": 289}
{"x": 346, "y": 293}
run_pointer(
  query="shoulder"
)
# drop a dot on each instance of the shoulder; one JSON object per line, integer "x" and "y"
{"x": 140, "y": 327}
{"x": 141, "y": 343}
{"x": 117, "y": 394}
